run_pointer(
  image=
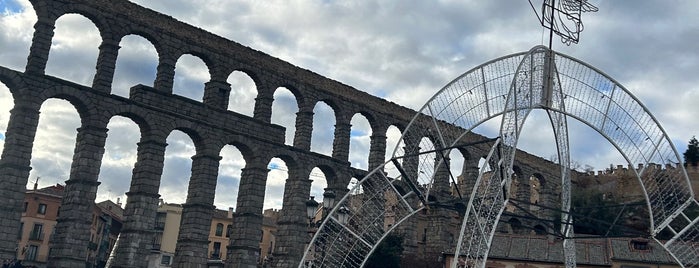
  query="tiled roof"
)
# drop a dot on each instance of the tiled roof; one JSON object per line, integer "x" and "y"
{"x": 543, "y": 249}
{"x": 56, "y": 190}
{"x": 622, "y": 249}
{"x": 590, "y": 251}
{"x": 220, "y": 214}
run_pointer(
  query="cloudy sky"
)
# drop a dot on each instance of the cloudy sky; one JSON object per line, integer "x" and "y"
{"x": 404, "y": 51}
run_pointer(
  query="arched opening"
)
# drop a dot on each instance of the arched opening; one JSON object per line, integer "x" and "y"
{"x": 539, "y": 229}
{"x": 74, "y": 59}
{"x": 54, "y": 144}
{"x": 535, "y": 191}
{"x": 515, "y": 226}
{"x": 136, "y": 63}
{"x": 190, "y": 75}
{"x": 318, "y": 183}
{"x": 284, "y": 109}
{"x": 323, "y": 129}
{"x": 120, "y": 152}
{"x": 426, "y": 168}
{"x": 18, "y": 27}
{"x": 228, "y": 181}
{"x": 393, "y": 135}
{"x": 177, "y": 167}
{"x": 360, "y": 141}
{"x": 274, "y": 189}
{"x": 456, "y": 167}
{"x": 6, "y": 102}
{"x": 243, "y": 93}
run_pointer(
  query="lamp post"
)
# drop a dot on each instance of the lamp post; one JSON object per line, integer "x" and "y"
{"x": 311, "y": 212}
{"x": 311, "y": 208}
{"x": 328, "y": 200}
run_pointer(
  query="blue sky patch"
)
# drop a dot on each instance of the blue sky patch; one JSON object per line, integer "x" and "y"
{"x": 2, "y": 136}
{"x": 10, "y": 6}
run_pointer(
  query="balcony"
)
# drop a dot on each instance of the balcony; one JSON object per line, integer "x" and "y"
{"x": 216, "y": 256}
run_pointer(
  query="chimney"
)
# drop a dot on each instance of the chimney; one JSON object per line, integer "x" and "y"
{"x": 118, "y": 201}
{"x": 36, "y": 183}
{"x": 230, "y": 212}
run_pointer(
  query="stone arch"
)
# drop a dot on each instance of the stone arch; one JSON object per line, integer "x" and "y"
{"x": 60, "y": 148}
{"x": 536, "y": 183}
{"x": 66, "y": 48}
{"x": 58, "y": 10}
{"x": 515, "y": 226}
{"x": 393, "y": 142}
{"x": 288, "y": 116}
{"x": 360, "y": 139}
{"x": 320, "y": 181}
{"x": 323, "y": 127}
{"x": 177, "y": 165}
{"x": 539, "y": 229}
{"x": 244, "y": 90}
{"x": 130, "y": 68}
{"x": 119, "y": 157}
{"x": 229, "y": 175}
{"x": 281, "y": 164}
{"x": 189, "y": 78}
{"x": 512, "y": 86}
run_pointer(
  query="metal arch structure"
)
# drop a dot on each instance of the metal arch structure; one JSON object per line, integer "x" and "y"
{"x": 511, "y": 87}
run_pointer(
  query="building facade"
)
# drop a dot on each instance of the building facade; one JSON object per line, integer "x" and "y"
{"x": 167, "y": 227}
{"x": 41, "y": 208}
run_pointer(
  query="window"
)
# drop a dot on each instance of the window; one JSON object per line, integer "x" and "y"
{"x": 21, "y": 228}
{"x": 26, "y": 204}
{"x": 219, "y": 229}
{"x": 42, "y": 209}
{"x": 165, "y": 260}
{"x": 37, "y": 232}
{"x": 160, "y": 220}
{"x": 229, "y": 230}
{"x": 216, "y": 254}
{"x": 30, "y": 255}
{"x": 157, "y": 240}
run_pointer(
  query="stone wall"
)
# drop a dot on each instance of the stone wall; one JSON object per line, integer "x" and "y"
{"x": 158, "y": 112}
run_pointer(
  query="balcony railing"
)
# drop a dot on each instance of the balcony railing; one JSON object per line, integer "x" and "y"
{"x": 216, "y": 256}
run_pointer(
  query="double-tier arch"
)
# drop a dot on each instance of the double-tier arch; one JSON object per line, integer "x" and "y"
{"x": 511, "y": 87}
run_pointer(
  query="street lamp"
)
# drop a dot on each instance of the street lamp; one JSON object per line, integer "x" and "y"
{"x": 328, "y": 199}
{"x": 311, "y": 208}
{"x": 343, "y": 215}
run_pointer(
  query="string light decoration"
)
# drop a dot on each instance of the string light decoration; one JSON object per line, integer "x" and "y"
{"x": 511, "y": 87}
{"x": 563, "y": 18}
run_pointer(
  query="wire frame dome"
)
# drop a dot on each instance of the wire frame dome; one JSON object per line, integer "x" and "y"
{"x": 510, "y": 87}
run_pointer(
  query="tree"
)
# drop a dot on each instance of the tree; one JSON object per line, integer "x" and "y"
{"x": 388, "y": 253}
{"x": 691, "y": 155}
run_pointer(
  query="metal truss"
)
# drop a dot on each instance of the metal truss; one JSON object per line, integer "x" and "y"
{"x": 510, "y": 87}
